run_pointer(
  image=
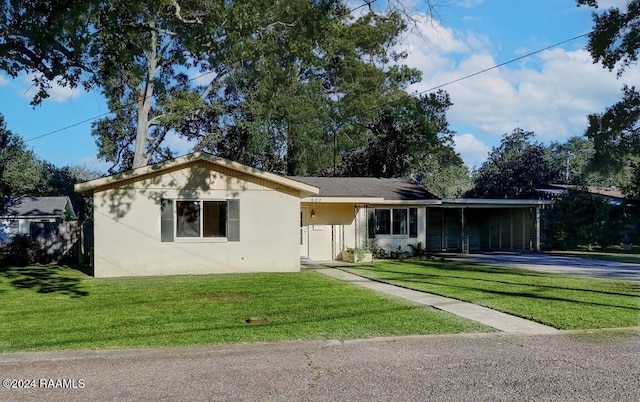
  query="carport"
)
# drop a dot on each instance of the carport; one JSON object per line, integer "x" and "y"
{"x": 464, "y": 225}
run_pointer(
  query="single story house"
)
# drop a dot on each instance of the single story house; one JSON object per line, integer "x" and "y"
{"x": 197, "y": 214}
{"x": 24, "y": 215}
{"x": 201, "y": 214}
{"x": 356, "y": 212}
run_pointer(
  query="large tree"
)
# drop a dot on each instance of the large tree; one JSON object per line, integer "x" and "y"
{"x": 410, "y": 137}
{"x": 295, "y": 108}
{"x": 615, "y": 42}
{"x": 269, "y": 81}
{"x": 47, "y": 39}
{"x": 569, "y": 160}
{"x": 20, "y": 170}
{"x": 513, "y": 169}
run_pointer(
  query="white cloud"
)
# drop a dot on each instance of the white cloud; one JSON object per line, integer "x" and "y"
{"x": 550, "y": 93}
{"x": 177, "y": 143}
{"x": 200, "y": 78}
{"x": 57, "y": 93}
{"x": 3, "y": 81}
{"x": 473, "y": 151}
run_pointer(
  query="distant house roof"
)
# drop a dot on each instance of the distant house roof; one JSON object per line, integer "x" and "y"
{"x": 37, "y": 207}
{"x": 612, "y": 194}
{"x": 367, "y": 187}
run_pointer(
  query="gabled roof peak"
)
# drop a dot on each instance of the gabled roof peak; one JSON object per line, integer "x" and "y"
{"x": 89, "y": 186}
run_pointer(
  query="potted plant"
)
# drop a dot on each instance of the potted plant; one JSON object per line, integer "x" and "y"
{"x": 357, "y": 255}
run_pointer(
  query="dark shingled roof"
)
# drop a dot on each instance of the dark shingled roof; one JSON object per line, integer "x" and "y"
{"x": 34, "y": 206}
{"x": 389, "y": 189}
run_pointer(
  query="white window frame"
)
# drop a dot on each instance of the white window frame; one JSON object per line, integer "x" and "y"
{"x": 392, "y": 220}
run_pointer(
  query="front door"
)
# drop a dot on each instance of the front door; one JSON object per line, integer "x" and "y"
{"x": 304, "y": 234}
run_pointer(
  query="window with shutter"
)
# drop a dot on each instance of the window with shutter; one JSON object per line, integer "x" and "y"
{"x": 200, "y": 219}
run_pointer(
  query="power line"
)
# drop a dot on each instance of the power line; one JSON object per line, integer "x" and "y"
{"x": 365, "y": 4}
{"x": 375, "y": 107}
{"x": 104, "y": 114}
{"x": 504, "y": 63}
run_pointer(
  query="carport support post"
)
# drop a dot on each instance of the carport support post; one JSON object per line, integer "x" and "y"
{"x": 538, "y": 229}
{"x": 465, "y": 245}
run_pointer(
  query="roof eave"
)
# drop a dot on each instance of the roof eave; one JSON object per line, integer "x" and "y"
{"x": 367, "y": 200}
{"x": 89, "y": 186}
{"x": 480, "y": 202}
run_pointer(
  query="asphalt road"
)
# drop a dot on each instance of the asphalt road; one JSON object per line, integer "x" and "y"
{"x": 557, "y": 264}
{"x": 599, "y": 366}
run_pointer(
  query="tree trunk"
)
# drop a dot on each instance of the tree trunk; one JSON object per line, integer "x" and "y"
{"x": 140, "y": 158}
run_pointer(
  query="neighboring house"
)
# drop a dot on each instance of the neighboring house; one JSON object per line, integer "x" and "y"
{"x": 197, "y": 214}
{"x": 25, "y": 215}
{"x": 612, "y": 195}
{"x": 200, "y": 214}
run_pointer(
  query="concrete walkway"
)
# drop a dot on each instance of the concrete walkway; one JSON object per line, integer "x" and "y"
{"x": 492, "y": 318}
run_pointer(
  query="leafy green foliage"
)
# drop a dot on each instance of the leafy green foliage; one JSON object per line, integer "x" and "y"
{"x": 46, "y": 38}
{"x": 20, "y": 170}
{"x": 22, "y": 251}
{"x": 568, "y": 161}
{"x": 298, "y": 116}
{"x": 22, "y": 174}
{"x": 418, "y": 249}
{"x": 513, "y": 169}
{"x": 282, "y": 86}
{"x": 579, "y": 218}
{"x": 411, "y": 136}
{"x": 615, "y": 41}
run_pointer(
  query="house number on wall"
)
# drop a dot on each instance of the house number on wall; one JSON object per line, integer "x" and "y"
{"x": 316, "y": 200}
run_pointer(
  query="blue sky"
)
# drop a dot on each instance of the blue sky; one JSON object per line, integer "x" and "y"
{"x": 550, "y": 93}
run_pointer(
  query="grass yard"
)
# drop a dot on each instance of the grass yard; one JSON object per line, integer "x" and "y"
{"x": 565, "y": 302}
{"x": 45, "y": 308}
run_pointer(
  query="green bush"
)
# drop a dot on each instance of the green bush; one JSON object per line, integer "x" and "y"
{"x": 377, "y": 252}
{"x": 580, "y": 219}
{"x": 418, "y": 249}
{"x": 22, "y": 251}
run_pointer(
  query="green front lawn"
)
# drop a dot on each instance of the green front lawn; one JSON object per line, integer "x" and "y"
{"x": 45, "y": 308}
{"x": 565, "y": 302}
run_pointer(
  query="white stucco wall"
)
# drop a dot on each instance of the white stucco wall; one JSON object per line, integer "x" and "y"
{"x": 335, "y": 225}
{"x": 331, "y": 230}
{"x": 127, "y": 225}
{"x": 392, "y": 242}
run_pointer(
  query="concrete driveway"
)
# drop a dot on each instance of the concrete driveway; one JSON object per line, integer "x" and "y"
{"x": 557, "y": 264}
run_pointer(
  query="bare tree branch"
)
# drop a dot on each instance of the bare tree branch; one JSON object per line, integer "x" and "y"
{"x": 181, "y": 18}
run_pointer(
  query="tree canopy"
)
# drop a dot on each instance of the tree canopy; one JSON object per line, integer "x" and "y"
{"x": 615, "y": 42}
{"x": 513, "y": 169}
{"x": 286, "y": 86}
{"x": 22, "y": 174}
{"x": 20, "y": 170}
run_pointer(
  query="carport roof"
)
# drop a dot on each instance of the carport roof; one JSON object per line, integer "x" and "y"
{"x": 492, "y": 203}
{"x": 367, "y": 187}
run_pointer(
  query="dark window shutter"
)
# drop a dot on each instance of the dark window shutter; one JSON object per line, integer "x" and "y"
{"x": 166, "y": 220}
{"x": 413, "y": 222}
{"x": 372, "y": 222}
{"x": 233, "y": 220}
